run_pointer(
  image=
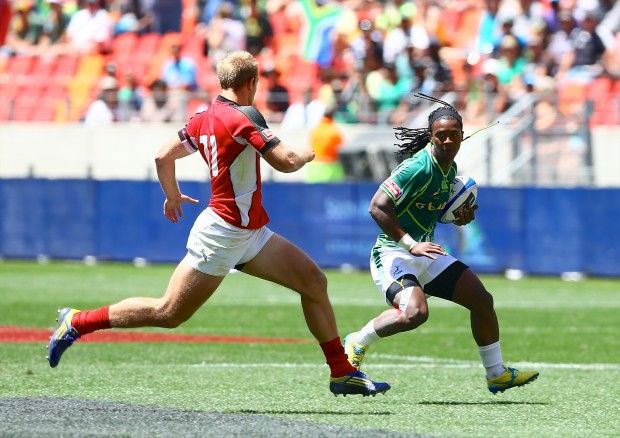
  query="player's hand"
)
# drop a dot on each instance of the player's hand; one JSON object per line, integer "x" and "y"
{"x": 466, "y": 214}
{"x": 172, "y": 207}
{"x": 427, "y": 249}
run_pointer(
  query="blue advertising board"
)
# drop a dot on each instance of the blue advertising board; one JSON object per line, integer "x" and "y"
{"x": 538, "y": 230}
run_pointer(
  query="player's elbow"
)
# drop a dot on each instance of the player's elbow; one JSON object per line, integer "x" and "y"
{"x": 374, "y": 210}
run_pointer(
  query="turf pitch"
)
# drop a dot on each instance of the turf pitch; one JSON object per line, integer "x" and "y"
{"x": 566, "y": 330}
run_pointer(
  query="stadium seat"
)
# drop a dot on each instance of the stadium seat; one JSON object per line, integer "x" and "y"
{"x": 43, "y": 114}
{"x": 124, "y": 43}
{"x": 571, "y": 96}
{"x": 147, "y": 44}
{"x": 66, "y": 66}
{"x": 22, "y": 113}
{"x": 5, "y": 108}
{"x": 20, "y": 65}
{"x": 168, "y": 40}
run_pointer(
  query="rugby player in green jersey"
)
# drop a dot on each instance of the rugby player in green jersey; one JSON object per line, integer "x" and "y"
{"x": 407, "y": 265}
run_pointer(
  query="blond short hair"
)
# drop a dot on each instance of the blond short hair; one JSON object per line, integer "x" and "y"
{"x": 235, "y": 69}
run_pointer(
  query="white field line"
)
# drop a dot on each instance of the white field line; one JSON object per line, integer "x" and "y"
{"x": 421, "y": 362}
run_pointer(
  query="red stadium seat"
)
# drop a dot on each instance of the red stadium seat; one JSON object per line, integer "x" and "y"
{"x": 66, "y": 66}
{"x": 147, "y": 45}
{"x": 124, "y": 43}
{"x": 23, "y": 113}
{"x": 5, "y": 107}
{"x": 20, "y": 65}
{"x": 43, "y": 114}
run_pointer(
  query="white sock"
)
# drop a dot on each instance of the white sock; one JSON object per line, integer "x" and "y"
{"x": 491, "y": 356}
{"x": 367, "y": 335}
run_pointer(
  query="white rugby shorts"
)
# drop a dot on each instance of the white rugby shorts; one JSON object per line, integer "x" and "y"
{"x": 389, "y": 264}
{"x": 214, "y": 246}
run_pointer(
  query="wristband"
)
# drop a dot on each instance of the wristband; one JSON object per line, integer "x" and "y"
{"x": 407, "y": 242}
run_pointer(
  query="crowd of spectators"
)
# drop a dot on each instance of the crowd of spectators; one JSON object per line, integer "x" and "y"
{"x": 372, "y": 55}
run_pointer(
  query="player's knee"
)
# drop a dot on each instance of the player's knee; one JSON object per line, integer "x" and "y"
{"x": 414, "y": 316}
{"x": 315, "y": 284}
{"x": 169, "y": 316}
{"x": 485, "y": 301}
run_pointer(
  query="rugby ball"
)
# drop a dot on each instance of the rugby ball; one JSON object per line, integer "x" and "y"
{"x": 463, "y": 191}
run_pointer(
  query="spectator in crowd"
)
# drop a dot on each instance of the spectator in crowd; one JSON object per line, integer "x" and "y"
{"x": 583, "y": 62}
{"x": 159, "y": 106}
{"x": 104, "y": 110}
{"x": 54, "y": 25}
{"x": 224, "y": 33}
{"x": 130, "y": 98}
{"x": 90, "y": 29}
{"x": 489, "y": 29}
{"x": 166, "y": 15}
{"x": 181, "y": 77}
{"x": 25, "y": 29}
{"x": 387, "y": 91}
{"x": 258, "y": 29}
{"x": 278, "y": 99}
{"x": 440, "y": 70}
{"x": 179, "y": 72}
{"x": 560, "y": 44}
{"x": 326, "y": 140}
{"x": 303, "y": 114}
{"x": 510, "y": 70}
{"x": 368, "y": 48}
{"x": 133, "y": 17}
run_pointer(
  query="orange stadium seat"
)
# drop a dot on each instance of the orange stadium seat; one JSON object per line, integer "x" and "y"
{"x": 571, "y": 97}
{"x": 168, "y": 40}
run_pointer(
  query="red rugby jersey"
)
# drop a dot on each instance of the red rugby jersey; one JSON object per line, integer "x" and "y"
{"x": 231, "y": 138}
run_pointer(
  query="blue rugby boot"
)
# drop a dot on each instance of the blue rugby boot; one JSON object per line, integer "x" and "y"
{"x": 356, "y": 383}
{"x": 63, "y": 337}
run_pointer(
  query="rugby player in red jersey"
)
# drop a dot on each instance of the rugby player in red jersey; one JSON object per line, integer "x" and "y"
{"x": 231, "y": 136}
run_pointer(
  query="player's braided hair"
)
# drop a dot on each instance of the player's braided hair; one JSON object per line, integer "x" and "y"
{"x": 415, "y": 139}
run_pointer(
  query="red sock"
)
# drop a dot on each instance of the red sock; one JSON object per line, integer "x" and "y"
{"x": 336, "y": 359}
{"x": 88, "y": 321}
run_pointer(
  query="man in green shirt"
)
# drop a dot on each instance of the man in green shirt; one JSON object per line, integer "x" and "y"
{"x": 407, "y": 265}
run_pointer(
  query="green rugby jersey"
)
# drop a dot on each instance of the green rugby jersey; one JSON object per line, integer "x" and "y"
{"x": 420, "y": 190}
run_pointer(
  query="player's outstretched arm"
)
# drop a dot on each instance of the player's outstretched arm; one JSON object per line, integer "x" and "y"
{"x": 165, "y": 164}
{"x": 287, "y": 159}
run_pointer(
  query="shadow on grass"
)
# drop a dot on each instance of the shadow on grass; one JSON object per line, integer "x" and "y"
{"x": 497, "y": 402}
{"x": 303, "y": 412}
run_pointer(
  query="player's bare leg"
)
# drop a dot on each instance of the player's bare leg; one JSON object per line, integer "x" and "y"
{"x": 188, "y": 289}
{"x": 412, "y": 312}
{"x": 471, "y": 293}
{"x": 281, "y": 262}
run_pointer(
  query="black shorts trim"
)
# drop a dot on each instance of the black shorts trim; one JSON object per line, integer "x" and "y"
{"x": 443, "y": 285}
{"x": 407, "y": 280}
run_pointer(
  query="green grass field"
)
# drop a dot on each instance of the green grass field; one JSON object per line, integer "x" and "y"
{"x": 566, "y": 330}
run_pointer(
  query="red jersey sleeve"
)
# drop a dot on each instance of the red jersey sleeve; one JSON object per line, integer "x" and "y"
{"x": 254, "y": 130}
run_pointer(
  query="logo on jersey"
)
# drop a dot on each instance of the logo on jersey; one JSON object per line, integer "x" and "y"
{"x": 268, "y": 134}
{"x": 393, "y": 188}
